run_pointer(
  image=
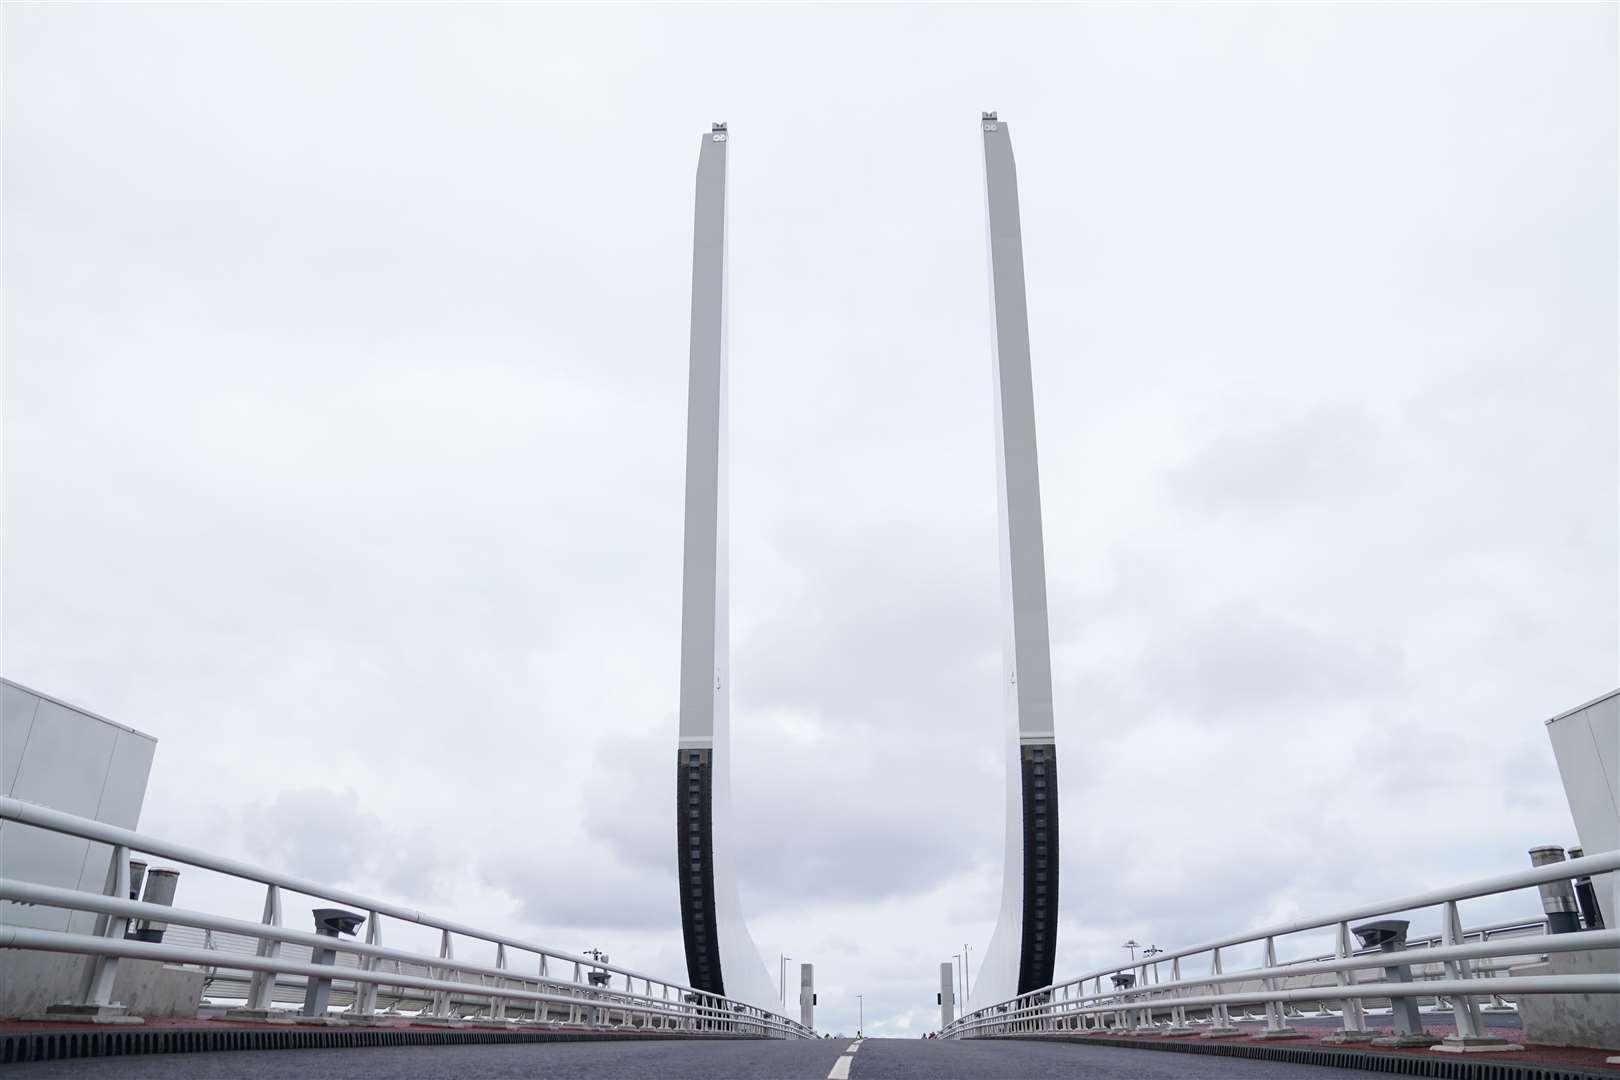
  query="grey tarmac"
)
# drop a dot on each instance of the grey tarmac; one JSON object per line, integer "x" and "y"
{"x": 877, "y": 1059}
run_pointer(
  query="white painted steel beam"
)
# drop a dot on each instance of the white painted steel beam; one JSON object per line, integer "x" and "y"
{"x": 1021, "y": 950}
{"x": 720, "y": 953}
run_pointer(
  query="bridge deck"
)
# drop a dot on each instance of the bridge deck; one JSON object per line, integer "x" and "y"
{"x": 875, "y": 1059}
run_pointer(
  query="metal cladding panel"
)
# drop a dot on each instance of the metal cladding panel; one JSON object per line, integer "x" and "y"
{"x": 696, "y": 853}
{"x": 1028, "y": 653}
{"x": 121, "y": 799}
{"x": 69, "y": 760}
{"x": 1022, "y": 948}
{"x": 1586, "y": 744}
{"x": 65, "y": 764}
{"x": 705, "y": 601}
{"x": 17, "y": 707}
{"x": 727, "y": 957}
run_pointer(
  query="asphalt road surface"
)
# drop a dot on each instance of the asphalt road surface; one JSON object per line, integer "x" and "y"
{"x": 826, "y": 1059}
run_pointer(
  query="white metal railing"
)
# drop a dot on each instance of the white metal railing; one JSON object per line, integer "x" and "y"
{"x": 1152, "y": 1006}
{"x": 557, "y": 989}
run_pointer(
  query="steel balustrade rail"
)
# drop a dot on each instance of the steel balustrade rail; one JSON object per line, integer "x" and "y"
{"x": 1066, "y": 1005}
{"x": 51, "y": 896}
{"x": 90, "y": 945}
{"x": 688, "y": 1009}
{"x": 1158, "y": 995}
{"x": 1513, "y": 984}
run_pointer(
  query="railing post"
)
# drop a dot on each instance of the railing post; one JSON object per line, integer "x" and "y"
{"x": 365, "y": 994}
{"x": 94, "y": 1003}
{"x": 1178, "y": 1013}
{"x": 540, "y": 1014}
{"x": 1276, "y": 1028}
{"x": 1470, "y": 1035}
{"x": 262, "y": 986}
{"x": 1144, "y": 1012}
{"x": 574, "y": 1013}
{"x": 1354, "y": 1028}
{"x": 440, "y": 1002}
{"x": 497, "y": 1003}
{"x": 1220, "y": 1019}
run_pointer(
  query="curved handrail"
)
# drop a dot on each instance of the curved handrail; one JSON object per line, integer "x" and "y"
{"x": 44, "y": 817}
{"x": 1044, "y": 999}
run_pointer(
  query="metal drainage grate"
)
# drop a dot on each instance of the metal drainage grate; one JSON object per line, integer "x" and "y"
{"x": 60, "y": 1045}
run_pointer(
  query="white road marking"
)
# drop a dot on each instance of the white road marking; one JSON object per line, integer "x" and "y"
{"x": 840, "y": 1069}
{"x": 854, "y": 1046}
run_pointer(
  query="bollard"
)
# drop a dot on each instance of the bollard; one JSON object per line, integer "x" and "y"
{"x": 137, "y": 871}
{"x": 160, "y": 887}
{"x": 1123, "y": 982}
{"x": 1557, "y": 897}
{"x": 329, "y": 922}
{"x": 807, "y": 995}
{"x": 1389, "y": 936}
{"x": 1586, "y": 897}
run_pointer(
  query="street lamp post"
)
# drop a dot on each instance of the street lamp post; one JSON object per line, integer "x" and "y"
{"x": 1133, "y": 946}
{"x": 967, "y": 973}
{"x": 961, "y": 1001}
{"x": 860, "y": 1025}
{"x": 782, "y": 980}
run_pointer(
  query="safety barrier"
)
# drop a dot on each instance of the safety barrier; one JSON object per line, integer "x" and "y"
{"x": 1137, "y": 1002}
{"x": 564, "y": 989}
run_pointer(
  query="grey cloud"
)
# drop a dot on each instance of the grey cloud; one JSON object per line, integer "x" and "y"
{"x": 588, "y": 891}
{"x": 1243, "y": 663}
{"x": 836, "y": 823}
{"x": 328, "y": 836}
{"x": 1293, "y": 462}
{"x": 344, "y": 406}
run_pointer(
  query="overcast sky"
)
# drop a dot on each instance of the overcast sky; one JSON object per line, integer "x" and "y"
{"x": 345, "y": 360}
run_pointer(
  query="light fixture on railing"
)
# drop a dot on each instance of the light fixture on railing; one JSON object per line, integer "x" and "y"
{"x": 598, "y": 977}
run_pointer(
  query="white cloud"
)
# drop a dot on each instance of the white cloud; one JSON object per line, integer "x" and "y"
{"x": 344, "y": 361}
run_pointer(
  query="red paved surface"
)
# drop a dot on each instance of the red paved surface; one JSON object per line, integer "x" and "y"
{"x": 400, "y": 1023}
{"x": 1530, "y": 1055}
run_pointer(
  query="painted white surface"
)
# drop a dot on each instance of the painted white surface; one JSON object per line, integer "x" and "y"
{"x": 60, "y": 756}
{"x": 1026, "y": 648}
{"x": 705, "y": 712}
{"x": 1586, "y": 743}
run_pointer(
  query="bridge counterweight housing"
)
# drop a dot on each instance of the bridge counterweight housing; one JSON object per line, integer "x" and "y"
{"x": 694, "y": 820}
{"x": 1040, "y": 820}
